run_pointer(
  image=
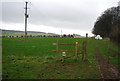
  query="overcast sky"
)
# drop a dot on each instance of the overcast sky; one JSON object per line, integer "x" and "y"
{"x": 70, "y": 16}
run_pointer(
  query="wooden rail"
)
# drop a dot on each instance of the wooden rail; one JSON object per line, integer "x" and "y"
{"x": 63, "y": 50}
{"x": 67, "y": 44}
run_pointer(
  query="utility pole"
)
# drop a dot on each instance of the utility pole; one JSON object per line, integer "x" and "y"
{"x": 26, "y": 16}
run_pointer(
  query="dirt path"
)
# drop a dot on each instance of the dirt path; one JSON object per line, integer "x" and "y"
{"x": 108, "y": 71}
{"x": 114, "y": 52}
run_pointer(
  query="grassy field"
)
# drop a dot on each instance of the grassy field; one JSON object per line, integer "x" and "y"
{"x": 33, "y": 58}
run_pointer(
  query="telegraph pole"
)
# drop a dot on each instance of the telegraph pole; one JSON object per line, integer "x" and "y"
{"x": 26, "y": 16}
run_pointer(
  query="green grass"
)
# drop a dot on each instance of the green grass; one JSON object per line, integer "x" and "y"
{"x": 114, "y": 47}
{"x": 104, "y": 48}
{"x": 33, "y": 58}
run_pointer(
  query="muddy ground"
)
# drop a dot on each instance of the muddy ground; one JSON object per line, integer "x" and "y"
{"x": 108, "y": 71}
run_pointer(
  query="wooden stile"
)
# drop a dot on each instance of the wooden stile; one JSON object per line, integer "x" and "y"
{"x": 76, "y": 51}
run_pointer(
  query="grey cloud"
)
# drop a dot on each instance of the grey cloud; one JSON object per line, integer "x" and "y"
{"x": 12, "y": 12}
{"x": 65, "y": 14}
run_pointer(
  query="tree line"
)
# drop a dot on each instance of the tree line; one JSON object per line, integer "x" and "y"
{"x": 108, "y": 24}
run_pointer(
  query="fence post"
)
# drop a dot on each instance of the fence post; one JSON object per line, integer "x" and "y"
{"x": 76, "y": 51}
{"x": 84, "y": 51}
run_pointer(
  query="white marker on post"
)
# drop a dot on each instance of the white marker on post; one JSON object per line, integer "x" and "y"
{"x": 64, "y": 54}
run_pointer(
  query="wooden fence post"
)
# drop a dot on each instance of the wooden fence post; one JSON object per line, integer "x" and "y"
{"x": 76, "y": 51}
{"x": 63, "y": 56}
{"x": 84, "y": 51}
